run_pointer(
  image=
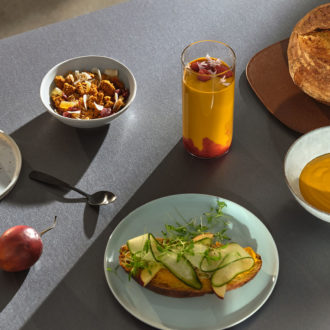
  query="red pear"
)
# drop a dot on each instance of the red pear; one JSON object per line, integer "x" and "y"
{"x": 20, "y": 248}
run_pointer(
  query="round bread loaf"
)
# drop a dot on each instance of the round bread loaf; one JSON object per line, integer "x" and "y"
{"x": 309, "y": 53}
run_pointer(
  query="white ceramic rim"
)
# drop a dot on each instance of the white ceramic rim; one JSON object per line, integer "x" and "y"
{"x": 53, "y": 112}
{"x": 303, "y": 201}
{"x": 18, "y": 163}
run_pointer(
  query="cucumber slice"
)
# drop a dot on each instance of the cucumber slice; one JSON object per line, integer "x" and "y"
{"x": 205, "y": 241}
{"x": 232, "y": 252}
{"x": 222, "y": 256}
{"x": 137, "y": 245}
{"x": 205, "y": 238}
{"x": 225, "y": 274}
{"x": 212, "y": 261}
{"x": 179, "y": 267}
{"x": 220, "y": 290}
{"x": 156, "y": 248}
{"x": 198, "y": 254}
{"x": 147, "y": 274}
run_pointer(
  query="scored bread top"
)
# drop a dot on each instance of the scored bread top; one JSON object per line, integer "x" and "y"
{"x": 316, "y": 19}
{"x": 309, "y": 53}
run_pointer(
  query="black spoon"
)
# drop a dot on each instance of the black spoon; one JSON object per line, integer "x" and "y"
{"x": 98, "y": 198}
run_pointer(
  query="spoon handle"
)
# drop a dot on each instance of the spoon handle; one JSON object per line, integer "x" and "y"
{"x": 49, "y": 179}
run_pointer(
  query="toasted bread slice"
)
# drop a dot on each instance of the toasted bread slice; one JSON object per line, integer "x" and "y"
{"x": 165, "y": 283}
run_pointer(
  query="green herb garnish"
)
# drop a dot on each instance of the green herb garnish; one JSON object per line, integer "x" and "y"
{"x": 205, "y": 223}
{"x": 178, "y": 238}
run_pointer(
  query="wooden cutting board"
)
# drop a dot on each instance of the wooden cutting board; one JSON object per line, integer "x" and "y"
{"x": 268, "y": 74}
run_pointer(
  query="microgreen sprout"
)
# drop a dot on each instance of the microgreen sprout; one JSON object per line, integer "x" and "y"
{"x": 110, "y": 269}
{"x": 189, "y": 229}
{"x": 136, "y": 263}
{"x": 178, "y": 238}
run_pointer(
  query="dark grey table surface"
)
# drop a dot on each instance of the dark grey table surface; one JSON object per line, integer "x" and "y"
{"x": 140, "y": 157}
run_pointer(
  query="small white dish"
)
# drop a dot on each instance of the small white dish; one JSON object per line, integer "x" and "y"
{"x": 10, "y": 164}
{"x": 86, "y": 63}
{"x": 302, "y": 151}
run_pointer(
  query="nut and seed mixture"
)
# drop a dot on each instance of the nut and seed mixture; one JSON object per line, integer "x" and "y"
{"x": 89, "y": 95}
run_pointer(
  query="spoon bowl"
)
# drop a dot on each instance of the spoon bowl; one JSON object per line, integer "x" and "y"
{"x": 101, "y": 198}
{"x": 98, "y": 198}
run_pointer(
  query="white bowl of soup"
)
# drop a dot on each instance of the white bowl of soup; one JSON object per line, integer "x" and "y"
{"x": 307, "y": 172}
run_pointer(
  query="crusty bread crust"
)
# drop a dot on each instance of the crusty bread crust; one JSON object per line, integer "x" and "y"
{"x": 309, "y": 53}
{"x": 167, "y": 284}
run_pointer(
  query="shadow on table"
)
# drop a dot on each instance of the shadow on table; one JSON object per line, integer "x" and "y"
{"x": 65, "y": 152}
{"x": 84, "y": 289}
{"x": 9, "y": 285}
{"x": 52, "y": 147}
{"x": 60, "y": 150}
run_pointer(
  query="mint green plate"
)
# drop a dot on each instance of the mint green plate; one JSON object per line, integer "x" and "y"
{"x": 206, "y": 312}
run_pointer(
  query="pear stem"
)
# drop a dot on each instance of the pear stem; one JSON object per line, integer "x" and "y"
{"x": 50, "y": 228}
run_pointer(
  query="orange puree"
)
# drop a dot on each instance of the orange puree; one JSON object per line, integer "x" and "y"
{"x": 207, "y": 105}
{"x": 314, "y": 182}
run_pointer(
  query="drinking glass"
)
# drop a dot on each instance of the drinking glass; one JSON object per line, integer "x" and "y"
{"x": 208, "y": 83}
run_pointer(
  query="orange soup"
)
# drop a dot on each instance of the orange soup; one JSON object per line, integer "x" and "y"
{"x": 208, "y": 104}
{"x": 314, "y": 182}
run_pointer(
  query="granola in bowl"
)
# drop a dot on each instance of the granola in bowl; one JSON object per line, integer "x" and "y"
{"x": 89, "y": 94}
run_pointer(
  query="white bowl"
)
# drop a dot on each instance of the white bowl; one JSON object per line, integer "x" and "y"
{"x": 85, "y": 63}
{"x": 302, "y": 151}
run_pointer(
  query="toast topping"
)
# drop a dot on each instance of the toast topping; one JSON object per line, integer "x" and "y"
{"x": 191, "y": 255}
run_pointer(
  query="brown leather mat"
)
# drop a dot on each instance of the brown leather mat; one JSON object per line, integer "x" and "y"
{"x": 267, "y": 73}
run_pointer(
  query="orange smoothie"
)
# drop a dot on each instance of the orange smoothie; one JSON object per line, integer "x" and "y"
{"x": 208, "y": 105}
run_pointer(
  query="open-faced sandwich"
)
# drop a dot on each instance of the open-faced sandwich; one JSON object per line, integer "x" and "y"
{"x": 187, "y": 263}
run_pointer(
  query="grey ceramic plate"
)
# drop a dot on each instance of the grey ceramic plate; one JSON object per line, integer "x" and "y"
{"x": 206, "y": 312}
{"x": 10, "y": 164}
